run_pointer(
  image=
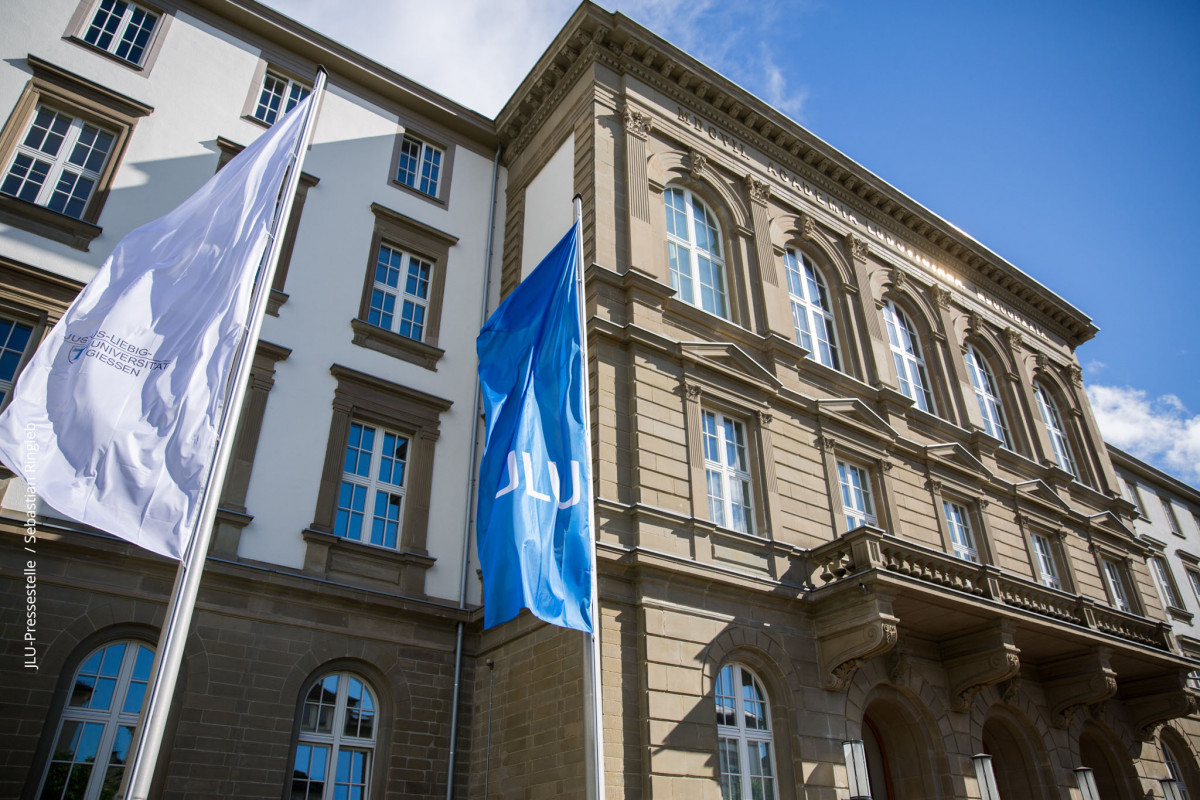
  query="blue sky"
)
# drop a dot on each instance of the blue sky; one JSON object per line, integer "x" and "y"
{"x": 1061, "y": 135}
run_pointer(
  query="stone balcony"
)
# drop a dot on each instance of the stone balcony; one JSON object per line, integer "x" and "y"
{"x": 870, "y": 590}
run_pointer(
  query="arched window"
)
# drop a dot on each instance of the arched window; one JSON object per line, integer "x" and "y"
{"x": 336, "y": 742}
{"x": 694, "y": 251}
{"x": 1054, "y": 427}
{"x": 96, "y": 728}
{"x": 812, "y": 312}
{"x": 987, "y": 394}
{"x": 1180, "y": 768}
{"x": 906, "y": 352}
{"x": 744, "y": 746}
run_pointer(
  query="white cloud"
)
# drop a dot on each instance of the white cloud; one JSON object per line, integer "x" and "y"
{"x": 1161, "y": 431}
{"x": 1094, "y": 367}
{"x": 476, "y": 52}
{"x": 777, "y": 93}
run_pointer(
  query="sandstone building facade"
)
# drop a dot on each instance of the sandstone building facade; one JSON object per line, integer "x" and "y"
{"x": 856, "y": 524}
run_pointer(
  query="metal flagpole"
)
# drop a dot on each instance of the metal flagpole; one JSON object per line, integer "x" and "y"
{"x": 593, "y": 716}
{"x": 169, "y": 655}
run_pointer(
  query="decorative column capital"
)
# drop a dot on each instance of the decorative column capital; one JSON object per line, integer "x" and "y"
{"x": 859, "y": 249}
{"x": 637, "y": 123}
{"x": 941, "y": 296}
{"x": 759, "y": 191}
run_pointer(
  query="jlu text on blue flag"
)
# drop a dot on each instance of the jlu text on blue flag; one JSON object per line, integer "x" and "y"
{"x": 535, "y": 546}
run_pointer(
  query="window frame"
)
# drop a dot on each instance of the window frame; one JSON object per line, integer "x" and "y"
{"x": 1049, "y": 578}
{"x": 429, "y": 136}
{"x": 717, "y": 257}
{"x": 1132, "y": 494}
{"x": 910, "y": 365}
{"x": 373, "y": 485}
{"x": 291, "y": 84}
{"x": 111, "y": 720}
{"x": 1164, "y": 581}
{"x": 987, "y": 394}
{"x": 803, "y": 274}
{"x": 1056, "y": 430}
{"x": 1169, "y": 513}
{"x": 728, "y": 475}
{"x": 739, "y": 734}
{"x": 964, "y": 543}
{"x": 1194, "y": 580}
{"x": 409, "y": 412}
{"x": 336, "y": 740}
{"x": 9, "y": 381}
{"x": 63, "y": 91}
{"x": 856, "y": 516}
{"x": 84, "y": 15}
{"x": 425, "y": 148}
{"x": 428, "y": 244}
{"x": 1117, "y": 584}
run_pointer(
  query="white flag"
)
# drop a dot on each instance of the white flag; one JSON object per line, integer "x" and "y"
{"x": 114, "y": 420}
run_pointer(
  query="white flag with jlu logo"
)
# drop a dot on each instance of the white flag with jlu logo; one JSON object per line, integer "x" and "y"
{"x": 114, "y": 420}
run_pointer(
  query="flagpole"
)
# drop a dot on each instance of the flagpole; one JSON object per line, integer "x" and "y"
{"x": 169, "y": 654}
{"x": 594, "y": 708}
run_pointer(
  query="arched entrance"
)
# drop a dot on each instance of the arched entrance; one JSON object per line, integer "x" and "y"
{"x": 1110, "y": 765}
{"x": 899, "y": 758}
{"x": 1013, "y": 761}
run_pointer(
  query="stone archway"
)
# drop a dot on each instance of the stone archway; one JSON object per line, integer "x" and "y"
{"x": 1111, "y": 766}
{"x": 1013, "y": 762}
{"x": 900, "y": 761}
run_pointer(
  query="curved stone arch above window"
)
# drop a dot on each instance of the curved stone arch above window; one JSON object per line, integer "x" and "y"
{"x": 802, "y": 232}
{"x": 372, "y": 737}
{"x": 765, "y": 658}
{"x": 674, "y": 167}
{"x": 1050, "y": 383}
{"x": 922, "y": 318}
{"x": 995, "y": 362}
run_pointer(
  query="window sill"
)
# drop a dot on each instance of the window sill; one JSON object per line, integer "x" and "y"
{"x": 139, "y": 68}
{"x": 437, "y": 201}
{"x": 274, "y": 300}
{"x": 365, "y": 565}
{"x": 395, "y": 345}
{"x": 1181, "y": 614}
{"x": 75, "y": 233}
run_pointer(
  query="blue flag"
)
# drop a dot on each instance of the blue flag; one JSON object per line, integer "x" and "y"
{"x": 535, "y": 546}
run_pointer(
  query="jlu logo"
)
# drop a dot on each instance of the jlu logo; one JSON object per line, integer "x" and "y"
{"x": 555, "y": 487}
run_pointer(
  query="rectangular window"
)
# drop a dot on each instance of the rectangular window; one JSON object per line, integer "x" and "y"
{"x": 1166, "y": 586}
{"x": 420, "y": 165}
{"x": 1194, "y": 580}
{"x": 14, "y": 339}
{"x": 1169, "y": 512}
{"x": 400, "y": 296}
{"x": 58, "y": 162}
{"x": 122, "y": 29}
{"x": 1131, "y": 492}
{"x": 1116, "y": 586}
{"x": 1044, "y": 555}
{"x": 372, "y": 489}
{"x": 856, "y": 495}
{"x": 279, "y": 95}
{"x": 401, "y": 308}
{"x": 727, "y": 471}
{"x": 959, "y": 522}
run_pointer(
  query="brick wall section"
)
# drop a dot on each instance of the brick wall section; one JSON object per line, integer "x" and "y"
{"x": 536, "y": 712}
{"x": 257, "y": 641}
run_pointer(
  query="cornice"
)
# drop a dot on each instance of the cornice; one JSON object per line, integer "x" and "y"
{"x": 593, "y": 35}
